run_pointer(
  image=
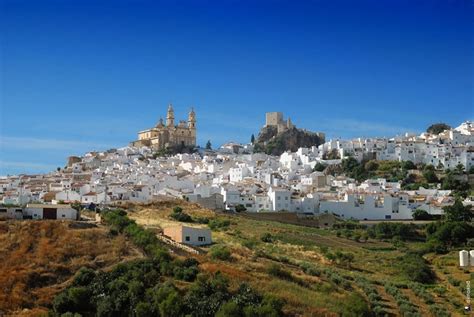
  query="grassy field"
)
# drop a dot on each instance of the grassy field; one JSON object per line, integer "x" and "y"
{"x": 311, "y": 284}
{"x": 39, "y": 258}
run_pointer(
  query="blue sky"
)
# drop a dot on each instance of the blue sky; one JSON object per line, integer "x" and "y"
{"x": 87, "y": 75}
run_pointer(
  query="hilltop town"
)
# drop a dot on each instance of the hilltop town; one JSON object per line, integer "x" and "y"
{"x": 362, "y": 178}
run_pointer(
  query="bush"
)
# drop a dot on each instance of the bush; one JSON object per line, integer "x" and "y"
{"x": 220, "y": 252}
{"x": 179, "y": 215}
{"x": 277, "y": 271}
{"x": 266, "y": 237}
{"x": 355, "y": 305}
{"x": 415, "y": 268}
{"x": 219, "y": 224}
{"x": 420, "y": 214}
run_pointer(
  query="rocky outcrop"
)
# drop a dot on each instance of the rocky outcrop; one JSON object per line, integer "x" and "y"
{"x": 273, "y": 142}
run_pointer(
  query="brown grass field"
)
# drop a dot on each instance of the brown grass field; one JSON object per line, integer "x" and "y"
{"x": 39, "y": 258}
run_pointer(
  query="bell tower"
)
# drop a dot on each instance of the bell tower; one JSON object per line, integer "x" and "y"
{"x": 192, "y": 126}
{"x": 170, "y": 116}
{"x": 192, "y": 119}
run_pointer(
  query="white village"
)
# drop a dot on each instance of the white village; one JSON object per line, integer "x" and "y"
{"x": 235, "y": 178}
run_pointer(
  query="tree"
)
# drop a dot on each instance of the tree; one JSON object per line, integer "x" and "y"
{"x": 430, "y": 176}
{"x": 252, "y": 139}
{"x": 208, "y": 145}
{"x": 459, "y": 169}
{"x": 458, "y": 212}
{"x": 240, "y": 208}
{"x": 408, "y": 165}
{"x": 319, "y": 167}
{"x": 471, "y": 170}
{"x": 371, "y": 165}
{"x": 437, "y": 128}
{"x": 420, "y": 214}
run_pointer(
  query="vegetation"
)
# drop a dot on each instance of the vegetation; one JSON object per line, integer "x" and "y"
{"x": 240, "y": 208}
{"x": 389, "y": 230}
{"x": 319, "y": 167}
{"x": 219, "y": 224}
{"x": 147, "y": 287}
{"x": 38, "y": 257}
{"x": 437, "y": 128}
{"x": 420, "y": 214}
{"x": 272, "y": 142}
{"x": 219, "y": 252}
{"x": 179, "y": 215}
{"x": 414, "y": 267}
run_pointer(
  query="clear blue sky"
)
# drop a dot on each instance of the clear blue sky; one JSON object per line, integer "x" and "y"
{"x": 80, "y": 75}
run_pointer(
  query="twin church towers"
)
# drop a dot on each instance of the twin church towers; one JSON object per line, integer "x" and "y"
{"x": 168, "y": 134}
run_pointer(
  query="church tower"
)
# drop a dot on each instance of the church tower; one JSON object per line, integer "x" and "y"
{"x": 192, "y": 119}
{"x": 170, "y": 116}
{"x": 192, "y": 125}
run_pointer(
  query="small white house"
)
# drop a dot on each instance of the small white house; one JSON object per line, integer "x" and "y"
{"x": 189, "y": 235}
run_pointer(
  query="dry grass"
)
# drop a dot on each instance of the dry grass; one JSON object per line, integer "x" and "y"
{"x": 38, "y": 258}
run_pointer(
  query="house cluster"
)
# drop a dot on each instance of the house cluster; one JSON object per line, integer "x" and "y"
{"x": 234, "y": 178}
{"x": 444, "y": 151}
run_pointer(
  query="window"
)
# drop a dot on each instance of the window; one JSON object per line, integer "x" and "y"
{"x": 201, "y": 239}
{"x": 64, "y": 216}
{"x": 187, "y": 238}
{"x": 286, "y": 198}
{"x": 388, "y": 217}
{"x": 3, "y": 210}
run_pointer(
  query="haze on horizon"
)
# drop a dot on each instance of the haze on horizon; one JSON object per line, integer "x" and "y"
{"x": 77, "y": 76}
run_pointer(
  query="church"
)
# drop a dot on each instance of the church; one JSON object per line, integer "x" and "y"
{"x": 169, "y": 135}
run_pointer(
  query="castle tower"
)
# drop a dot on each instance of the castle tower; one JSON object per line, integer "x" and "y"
{"x": 170, "y": 116}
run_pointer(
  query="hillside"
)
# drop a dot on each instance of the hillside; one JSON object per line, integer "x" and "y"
{"x": 312, "y": 271}
{"x": 321, "y": 272}
{"x": 38, "y": 259}
{"x": 270, "y": 141}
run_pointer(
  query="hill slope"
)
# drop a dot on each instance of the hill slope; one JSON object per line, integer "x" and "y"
{"x": 38, "y": 258}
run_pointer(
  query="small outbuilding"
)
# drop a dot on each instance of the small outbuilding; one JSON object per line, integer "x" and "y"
{"x": 189, "y": 235}
{"x": 50, "y": 211}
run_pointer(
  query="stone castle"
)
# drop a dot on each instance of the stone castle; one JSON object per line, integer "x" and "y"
{"x": 275, "y": 119}
{"x": 169, "y": 135}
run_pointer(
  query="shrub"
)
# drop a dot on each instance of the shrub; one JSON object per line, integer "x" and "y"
{"x": 177, "y": 209}
{"x": 355, "y": 305}
{"x": 277, "y": 271}
{"x": 220, "y": 252}
{"x": 179, "y": 215}
{"x": 266, "y": 237}
{"x": 415, "y": 268}
{"x": 230, "y": 309}
{"x": 219, "y": 224}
